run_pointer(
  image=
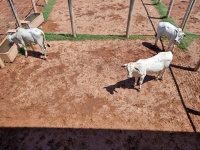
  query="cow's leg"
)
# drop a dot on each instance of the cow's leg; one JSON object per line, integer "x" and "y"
{"x": 40, "y": 42}
{"x": 169, "y": 45}
{"x": 136, "y": 80}
{"x": 32, "y": 46}
{"x": 141, "y": 81}
{"x": 157, "y": 77}
{"x": 26, "y": 54}
{"x": 162, "y": 76}
{"x": 43, "y": 51}
{"x": 157, "y": 38}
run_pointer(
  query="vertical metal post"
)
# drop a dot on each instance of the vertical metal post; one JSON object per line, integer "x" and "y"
{"x": 15, "y": 13}
{"x": 129, "y": 18}
{"x": 34, "y": 6}
{"x": 169, "y": 9}
{"x": 72, "y": 18}
{"x": 187, "y": 14}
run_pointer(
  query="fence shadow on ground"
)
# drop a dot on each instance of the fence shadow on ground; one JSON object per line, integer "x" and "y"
{"x": 182, "y": 100}
{"x": 149, "y": 17}
{"x": 127, "y": 84}
{"x": 194, "y": 112}
{"x": 181, "y": 67}
{"x": 95, "y": 139}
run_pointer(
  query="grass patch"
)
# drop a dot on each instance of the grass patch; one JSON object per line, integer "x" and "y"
{"x": 186, "y": 41}
{"x": 47, "y": 9}
{"x": 83, "y": 37}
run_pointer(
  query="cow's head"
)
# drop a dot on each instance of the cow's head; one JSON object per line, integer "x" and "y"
{"x": 130, "y": 68}
{"x": 179, "y": 35}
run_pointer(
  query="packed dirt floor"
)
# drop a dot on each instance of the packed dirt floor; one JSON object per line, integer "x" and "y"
{"x": 80, "y": 97}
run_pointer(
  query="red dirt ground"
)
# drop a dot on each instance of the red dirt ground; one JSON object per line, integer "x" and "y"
{"x": 80, "y": 97}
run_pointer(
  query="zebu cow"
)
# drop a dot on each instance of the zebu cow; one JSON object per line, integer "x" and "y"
{"x": 33, "y": 35}
{"x": 168, "y": 30}
{"x": 142, "y": 67}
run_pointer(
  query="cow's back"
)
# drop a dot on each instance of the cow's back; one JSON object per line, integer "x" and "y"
{"x": 159, "y": 61}
{"x": 32, "y": 34}
{"x": 36, "y": 33}
{"x": 165, "y": 58}
{"x": 166, "y": 29}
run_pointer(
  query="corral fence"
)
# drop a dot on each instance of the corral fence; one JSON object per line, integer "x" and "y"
{"x": 23, "y": 8}
{"x": 15, "y": 10}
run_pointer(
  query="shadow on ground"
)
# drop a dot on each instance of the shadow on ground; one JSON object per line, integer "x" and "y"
{"x": 36, "y": 54}
{"x": 127, "y": 84}
{"x": 182, "y": 67}
{"x": 152, "y": 47}
{"x": 95, "y": 139}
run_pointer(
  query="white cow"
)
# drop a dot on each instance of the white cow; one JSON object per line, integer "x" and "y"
{"x": 33, "y": 35}
{"x": 173, "y": 33}
{"x": 142, "y": 67}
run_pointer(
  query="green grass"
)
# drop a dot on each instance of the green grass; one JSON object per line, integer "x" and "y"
{"x": 186, "y": 41}
{"x": 83, "y": 37}
{"x": 47, "y": 9}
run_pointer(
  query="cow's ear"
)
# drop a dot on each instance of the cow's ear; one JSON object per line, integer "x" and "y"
{"x": 124, "y": 65}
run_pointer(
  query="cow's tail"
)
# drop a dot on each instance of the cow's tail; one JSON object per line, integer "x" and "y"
{"x": 44, "y": 40}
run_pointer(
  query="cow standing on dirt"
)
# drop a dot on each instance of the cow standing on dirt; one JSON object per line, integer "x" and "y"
{"x": 142, "y": 67}
{"x": 33, "y": 35}
{"x": 174, "y": 34}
